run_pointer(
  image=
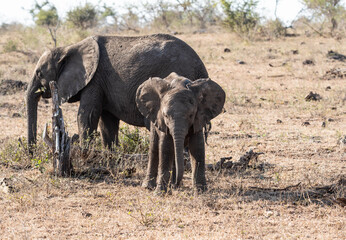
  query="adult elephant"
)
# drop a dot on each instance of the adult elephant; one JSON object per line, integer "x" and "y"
{"x": 103, "y": 73}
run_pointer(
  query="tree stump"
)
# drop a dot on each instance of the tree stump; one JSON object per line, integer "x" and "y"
{"x": 60, "y": 143}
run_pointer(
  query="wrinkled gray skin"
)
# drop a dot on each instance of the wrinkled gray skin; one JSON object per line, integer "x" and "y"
{"x": 178, "y": 110}
{"x": 103, "y": 73}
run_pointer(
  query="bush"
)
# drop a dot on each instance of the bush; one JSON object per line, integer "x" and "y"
{"x": 330, "y": 10}
{"x": 131, "y": 141}
{"x": 83, "y": 16}
{"x": 274, "y": 28}
{"x": 16, "y": 153}
{"x": 10, "y": 46}
{"x": 241, "y": 17}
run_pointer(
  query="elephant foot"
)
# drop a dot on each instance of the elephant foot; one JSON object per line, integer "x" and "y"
{"x": 200, "y": 188}
{"x": 149, "y": 183}
{"x": 161, "y": 189}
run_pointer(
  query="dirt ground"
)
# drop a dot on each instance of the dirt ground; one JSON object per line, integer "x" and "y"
{"x": 295, "y": 190}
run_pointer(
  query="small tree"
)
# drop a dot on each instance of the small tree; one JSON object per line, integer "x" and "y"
{"x": 46, "y": 15}
{"x": 83, "y": 16}
{"x": 162, "y": 13}
{"x": 240, "y": 17}
{"x": 328, "y": 9}
{"x": 130, "y": 20}
{"x": 205, "y": 12}
{"x": 109, "y": 12}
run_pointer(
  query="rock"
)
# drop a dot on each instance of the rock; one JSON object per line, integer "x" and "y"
{"x": 336, "y": 56}
{"x": 308, "y": 62}
{"x": 278, "y": 121}
{"x": 240, "y": 62}
{"x": 342, "y": 140}
{"x": 328, "y": 88}
{"x": 306, "y": 123}
{"x": 227, "y": 50}
{"x": 6, "y": 186}
{"x": 295, "y": 52}
{"x": 324, "y": 124}
{"x": 16, "y": 115}
{"x": 86, "y": 214}
{"x": 334, "y": 73}
{"x": 313, "y": 97}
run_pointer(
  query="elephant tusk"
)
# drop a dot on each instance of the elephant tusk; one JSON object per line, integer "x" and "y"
{"x": 46, "y": 138}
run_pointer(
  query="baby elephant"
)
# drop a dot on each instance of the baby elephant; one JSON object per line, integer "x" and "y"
{"x": 178, "y": 109}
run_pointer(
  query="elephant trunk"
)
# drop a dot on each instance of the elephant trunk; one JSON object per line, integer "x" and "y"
{"x": 32, "y": 98}
{"x": 178, "y": 139}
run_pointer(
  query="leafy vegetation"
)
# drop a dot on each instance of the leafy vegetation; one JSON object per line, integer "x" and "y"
{"x": 132, "y": 141}
{"x": 10, "y": 46}
{"x": 46, "y": 15}
{"x": 330, "y": 10}
{"x": 83, "y": 16}
{"x": 241, "y": 16}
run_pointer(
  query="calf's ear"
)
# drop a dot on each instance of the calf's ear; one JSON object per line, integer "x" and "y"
{"x": 148, "y": 100}
{"x": 210, "y": 97}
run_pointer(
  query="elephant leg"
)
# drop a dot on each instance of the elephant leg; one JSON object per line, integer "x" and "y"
{"x": 109, "y": 127}
{"x": 153, "y": 163}
{"x": 166, "y": 157}
{"x": 89, "y": 113}
{"x": 197, "y": 152}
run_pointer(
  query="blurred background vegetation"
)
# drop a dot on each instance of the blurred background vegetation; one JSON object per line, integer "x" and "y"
{"x": 318, "y": 17}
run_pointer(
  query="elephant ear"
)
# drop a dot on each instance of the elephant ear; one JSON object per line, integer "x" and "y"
{"x": 148, "y": 100}
{"x": 210, "y": 97}
{"x": 76, "y": 67}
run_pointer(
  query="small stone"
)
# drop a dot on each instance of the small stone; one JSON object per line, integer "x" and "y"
{"x": 240, "y": 62}
{"x": 343, "y": 140}
{"x": 313, "y": 97}
{"x": 308, "y": 62}
{"x": 278, "y": 121}
{"x": 5, "y": 185}
{"x": 86, "y": 214}
{"x": 306, "y": 123}
{"x": 328, "y": 88}
{"x": 16, "y": 115}
{"x": 227, "y": 50}
{"x": 324, "y": 124}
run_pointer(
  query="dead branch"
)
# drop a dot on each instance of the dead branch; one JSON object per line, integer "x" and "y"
{"x": 60, "y": 142}
{"x": 275, "y": 189}
{"x": 242, "y": 163}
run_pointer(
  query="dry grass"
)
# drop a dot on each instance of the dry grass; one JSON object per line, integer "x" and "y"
{"x": 252, "y": 204}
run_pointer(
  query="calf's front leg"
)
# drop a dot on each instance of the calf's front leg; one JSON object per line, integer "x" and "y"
{"x": 197, "y": 153}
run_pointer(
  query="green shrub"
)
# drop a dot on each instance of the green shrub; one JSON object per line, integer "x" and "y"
{"x": 83, "y": 16}
{"x": 131, "y": 141}
{"x": 240, "y": 16}
{"x": 274, "y": 28}
{"x": 15, "y": 153}
{"x": 10, "y": 46}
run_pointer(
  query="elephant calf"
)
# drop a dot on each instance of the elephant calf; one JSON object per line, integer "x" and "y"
{"x": 178, "y": 109}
